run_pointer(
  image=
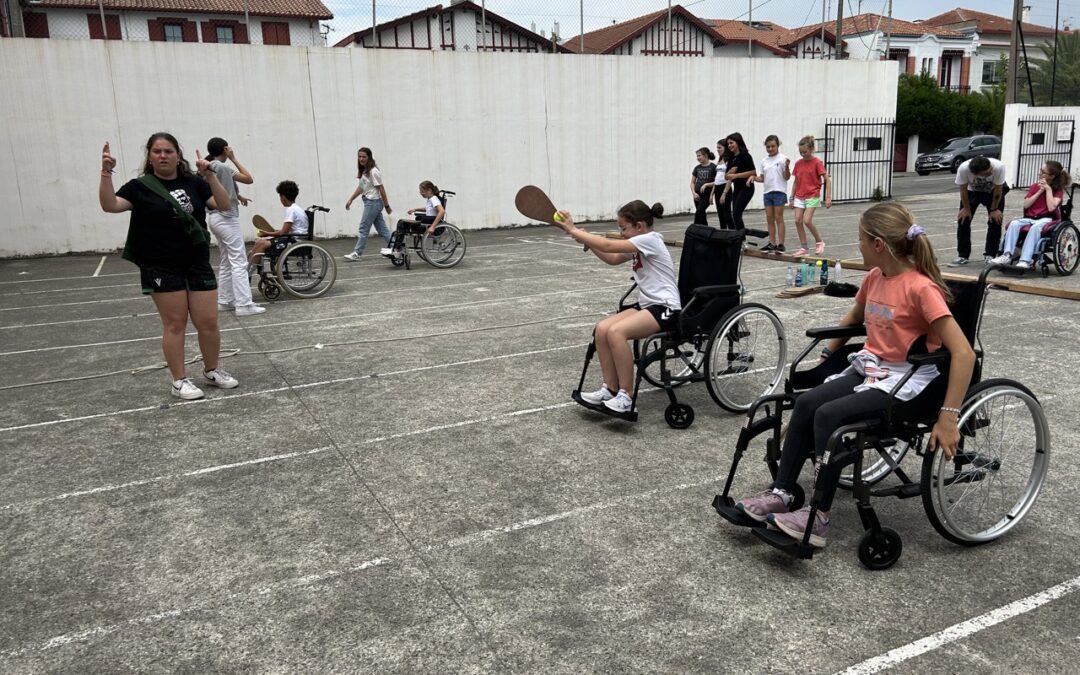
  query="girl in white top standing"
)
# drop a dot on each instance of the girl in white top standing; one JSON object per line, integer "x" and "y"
{"x": 374, "y": 194}
{"x": 658, "y": 297}
{"x": 720, "y": 186}
{"x": 774, "y": 171}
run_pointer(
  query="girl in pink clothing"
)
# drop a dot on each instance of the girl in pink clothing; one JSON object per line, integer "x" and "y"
{"x": 809, "y": 172}
{"x": 1040, "y": 207}
{"x": 902, "y": 298}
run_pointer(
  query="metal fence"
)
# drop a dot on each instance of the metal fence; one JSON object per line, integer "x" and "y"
{"x": 1043, "y": 138}
{"x": 858, "y": 154}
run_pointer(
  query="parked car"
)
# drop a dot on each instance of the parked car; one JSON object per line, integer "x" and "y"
{"x": 954, "y": 152}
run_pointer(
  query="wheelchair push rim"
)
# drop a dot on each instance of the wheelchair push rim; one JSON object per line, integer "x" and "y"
{"x": 305, "y": 270}
{"x": 1067, "y": 249}
{"x": 443, "y": 248}
{"x": 997, "y": 474}
{"x": 745, "y": 357}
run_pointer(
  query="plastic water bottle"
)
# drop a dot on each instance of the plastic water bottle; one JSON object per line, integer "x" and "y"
{"x": 817, "y": 271}
{"x": 824, "y": 272}
{"x": 789, "y": 280}
{"x": 799, "y": 276}
{"x": 838, "y": 272}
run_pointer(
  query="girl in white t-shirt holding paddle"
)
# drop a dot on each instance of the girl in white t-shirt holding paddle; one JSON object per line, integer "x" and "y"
{"x": 658, "y": 297}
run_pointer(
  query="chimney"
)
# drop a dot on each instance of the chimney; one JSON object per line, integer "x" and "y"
{"x": 1025, "y": 14}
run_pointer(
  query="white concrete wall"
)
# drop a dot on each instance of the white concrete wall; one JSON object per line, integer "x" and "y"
{"x": 595, "y": 131}
{"x": 1010, "y": 136}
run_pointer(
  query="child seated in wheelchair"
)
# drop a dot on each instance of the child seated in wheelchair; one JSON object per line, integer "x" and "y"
{"x": 433, "y": 210}
{"x": 902, "y": 298}
{"x": 294, "y": 224}
{"x": 1040, "y": 207}
{"x": 658, "y": 297}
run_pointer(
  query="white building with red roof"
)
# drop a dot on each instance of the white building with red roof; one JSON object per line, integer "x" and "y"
{"x": 269, "y": 22}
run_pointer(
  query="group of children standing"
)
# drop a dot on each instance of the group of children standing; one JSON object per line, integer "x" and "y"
{"x": 730, "y": 181}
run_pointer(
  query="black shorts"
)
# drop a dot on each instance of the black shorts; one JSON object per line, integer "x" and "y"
{"x": 666, "y": 317}
{"x": 199, "y": 276}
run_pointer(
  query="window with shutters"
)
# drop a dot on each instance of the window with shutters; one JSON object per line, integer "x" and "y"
{"x": 225, "y": 34}
{"x": 112, "y": 27}
{"x": 174, "y": 32}
{"x": 275, "y": 33}
{"x": 36, "y": 24}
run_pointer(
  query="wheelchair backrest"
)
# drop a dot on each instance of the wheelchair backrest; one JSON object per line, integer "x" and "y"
{"x": 444, "y": 196}
{"x": 310, "y": 213}
{"x": 1066, "y": 206}
{"x": 709, "y": 257}
{"x": 967, "y": 305}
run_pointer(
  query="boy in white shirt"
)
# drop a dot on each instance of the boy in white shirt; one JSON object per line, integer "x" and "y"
{"x": 295, "y": 223}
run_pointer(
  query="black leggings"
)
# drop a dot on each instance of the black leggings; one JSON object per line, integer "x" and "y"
{"x": 739, "y": 198}
{"x": 701, "y": 205}
{"x": 723, "y": 211}
{"x": 405, "y": 226}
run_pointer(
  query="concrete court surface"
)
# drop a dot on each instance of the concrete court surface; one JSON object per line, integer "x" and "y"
{"x": 420, "y": 495}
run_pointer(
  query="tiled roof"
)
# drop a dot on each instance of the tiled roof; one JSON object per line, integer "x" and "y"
{"x": 861, "y": 24}
{"x": 765, "y": 34}
{"x": 308, "y": 9}
{"x": 988, "y": 24}
{"x": 794, "y": 36}
{"x": 607, "y": 39}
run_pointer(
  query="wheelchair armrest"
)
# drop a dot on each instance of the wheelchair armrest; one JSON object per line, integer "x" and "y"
{"x": 939, "y": 357}
{"x": 830, "y": 332}
{"x": 705, "y": 292}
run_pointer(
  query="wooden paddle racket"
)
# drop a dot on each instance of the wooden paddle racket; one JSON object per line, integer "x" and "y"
{"x": 261, "y": 224}
{"x": 534, "y": 204}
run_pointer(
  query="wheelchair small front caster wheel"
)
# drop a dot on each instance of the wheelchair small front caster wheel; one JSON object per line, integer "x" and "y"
{"x": 679, "y": 416}
{"x": 269, "y": 290}
{"x": 879, "y": 550}
{"x": 398, "y": 259}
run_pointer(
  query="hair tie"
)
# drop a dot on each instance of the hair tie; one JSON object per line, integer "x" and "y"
{"x": 914, "y": 231}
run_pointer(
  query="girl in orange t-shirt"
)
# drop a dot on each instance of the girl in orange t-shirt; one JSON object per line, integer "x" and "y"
{"x": 902, "y": 298}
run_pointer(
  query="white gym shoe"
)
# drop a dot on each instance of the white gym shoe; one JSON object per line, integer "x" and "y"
{"x": 186, "y": 389}
{"x": 351, "y": 256}
{"x": 597, "y": 397}
{"x": 386, "y": 251}
{"x": 620, "y": 403}
{"x": 1003, "y": 259}
{"x": 219, "y": 378}
{"x": 1024, "y": 265}
{"x": 225, "y": 307}
{"x": 249, "y": 310}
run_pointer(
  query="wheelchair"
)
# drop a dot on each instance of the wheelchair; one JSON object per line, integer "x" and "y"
{"x": 737, "y": 348}
{"x": 1059, "y": 242}
{"x": 297, "y": 265}
{"x": 444, "y": 248}
{"x": 984, "y": 491}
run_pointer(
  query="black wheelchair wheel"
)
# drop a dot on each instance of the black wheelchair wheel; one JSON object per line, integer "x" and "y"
{"x": 994, "y": 479}
{"x": 445, "y": 247}
{"x": 685, "y": 367}
{"x": 679, "y": 416}
{"x": 406, "y": 258}
{"x": 305, "y": 270}
{"x": 269, "y": 290}
{"x": 1066, "y": 249}
{"x": 879, "y": 550}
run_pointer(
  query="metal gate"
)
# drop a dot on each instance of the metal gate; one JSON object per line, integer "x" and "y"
{"x": 1043, "y": 138}
{"x": 858, "y": 154}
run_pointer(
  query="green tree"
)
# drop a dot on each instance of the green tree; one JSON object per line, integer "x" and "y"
{"x": 924, "y": 108}
{"x": 1066, "y": 88}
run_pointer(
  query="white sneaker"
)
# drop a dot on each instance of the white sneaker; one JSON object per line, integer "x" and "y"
{"x": 386, "y": 251}
{"x": 186, "y": 390}
{"x": 249, "y": 310}
{"x": 219, "y": 378}
{"x": 620, "y": 403}
{"x": 225, "y": 307}
{"x": 597, "y": 397}
{"x": 1024, "y": 265}
{"x": 958, "y": 262}
{"x": 351, "y": 256}
{"x": 1003, "y": 259}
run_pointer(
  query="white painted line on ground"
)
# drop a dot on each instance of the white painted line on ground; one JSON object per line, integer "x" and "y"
{"x": 99, "y": 266}
{"x": 311, "y": 579}
{"x": 963, "y": 629}
{"x": 276, "y": 390}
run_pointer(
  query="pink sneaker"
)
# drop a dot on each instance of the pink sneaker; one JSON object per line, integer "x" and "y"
{"x": 819, "y": 248}
{"x": 762, "y": 504}
{"x": 801, "y": 252}
{"x": 794, "y": 525}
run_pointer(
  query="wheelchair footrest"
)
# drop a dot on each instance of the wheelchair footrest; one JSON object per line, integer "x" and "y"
{"x": 630, "y": 416}
{"x": 725, "y": 506}
{"x": 779, "y": 540}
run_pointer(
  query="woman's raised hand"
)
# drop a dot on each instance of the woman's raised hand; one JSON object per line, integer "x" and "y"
{"x": 108, "y": 162}
{"x": 201, "y": 164}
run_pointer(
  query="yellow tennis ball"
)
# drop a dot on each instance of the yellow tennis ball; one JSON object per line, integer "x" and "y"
{"x": 557, "y": 218}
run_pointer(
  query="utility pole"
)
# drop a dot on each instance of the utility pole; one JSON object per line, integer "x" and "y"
{"x": 669, "y": 27}
{"x": 581, "y": 25}
{"x": 373, "y": 24}
{"x": 888, "y": 33}
{"x": 839, "y": 29}
{"x": 824, "y": 20}
{"x": 749, "y": 29}
{"x": 1014, "y": 42}
{"x": 1053, "y": 71}
{"x": 483, "y": 26}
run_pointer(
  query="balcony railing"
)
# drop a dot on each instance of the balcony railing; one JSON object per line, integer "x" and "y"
{"x": 957, "y": 88}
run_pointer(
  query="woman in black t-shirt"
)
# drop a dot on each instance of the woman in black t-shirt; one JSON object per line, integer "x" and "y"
{"x": 740, "y": 170}
{"x": 168, "y": 240}
{"x": 701, "y": 180}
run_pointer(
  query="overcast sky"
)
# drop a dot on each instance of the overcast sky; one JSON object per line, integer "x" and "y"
{"x": 354, "y": 15}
